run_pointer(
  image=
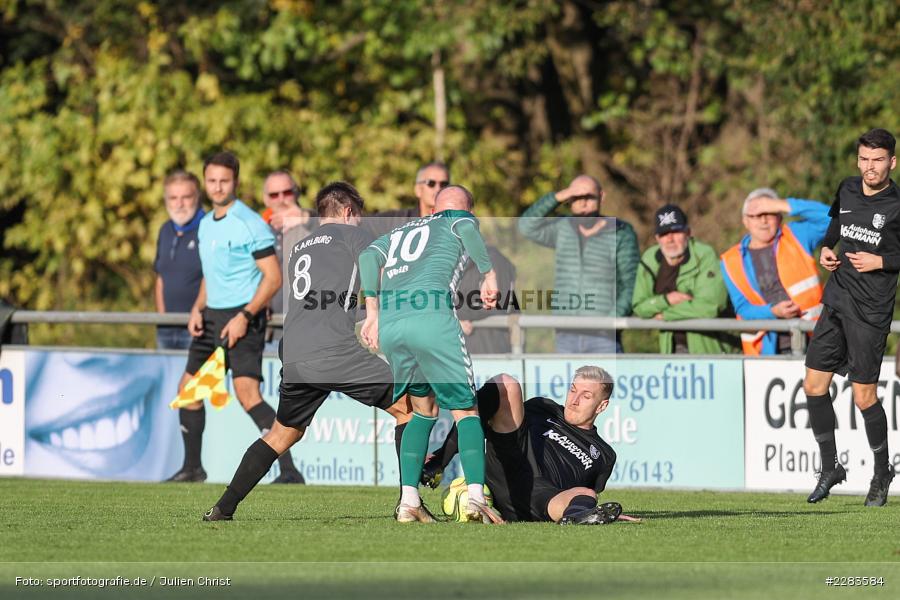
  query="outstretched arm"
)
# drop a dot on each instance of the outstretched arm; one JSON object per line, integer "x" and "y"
{"x": 370, "y": 262}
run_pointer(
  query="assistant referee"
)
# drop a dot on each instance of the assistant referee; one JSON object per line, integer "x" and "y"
{"x": 240, "y": 276}
{"x": 850, "y": 337}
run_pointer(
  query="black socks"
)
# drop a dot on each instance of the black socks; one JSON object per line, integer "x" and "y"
{"x": 876, "y": 431}
{"x": 822, "y": 421}
{"x": 192, "y": 424}
{"x": 264, "y": 416}
{"x": 579, "y": 504}
{"x": 256, "y": 463}
{"x": 398, "y": 437}
{"x": 821, "y": 418}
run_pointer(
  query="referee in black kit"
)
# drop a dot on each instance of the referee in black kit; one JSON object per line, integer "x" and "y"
{"x": 850, "y": 337}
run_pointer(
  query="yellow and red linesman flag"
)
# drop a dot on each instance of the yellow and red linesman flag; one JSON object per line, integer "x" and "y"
{"x": 207, "y": 383}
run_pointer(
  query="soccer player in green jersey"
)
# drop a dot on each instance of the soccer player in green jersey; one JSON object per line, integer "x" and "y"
{"x": 411, "y": 318}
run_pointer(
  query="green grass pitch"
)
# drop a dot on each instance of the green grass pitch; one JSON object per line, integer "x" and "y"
{"x": 341, "y": 542}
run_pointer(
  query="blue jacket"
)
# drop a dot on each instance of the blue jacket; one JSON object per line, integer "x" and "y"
{"x": 809, "y": 230}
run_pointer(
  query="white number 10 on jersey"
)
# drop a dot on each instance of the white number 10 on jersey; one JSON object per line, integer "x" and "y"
{"x": 417, "y": 236}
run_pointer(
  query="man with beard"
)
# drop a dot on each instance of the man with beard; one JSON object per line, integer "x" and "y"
{"x": 596, "y": 261}
{"x": 177, "y": 264}
{"x": 679, "y": 278}
{"x": 850, "y": 336}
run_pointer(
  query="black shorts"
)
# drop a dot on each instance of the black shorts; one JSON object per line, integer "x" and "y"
{"x": 245, "y": 359}
{"x": 846, "y": 347}
{"x": 512, "y": 472}
{"x": 358, "y": 374}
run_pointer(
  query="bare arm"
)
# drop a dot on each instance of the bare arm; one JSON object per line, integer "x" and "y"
{"x": 158, "y": 295}
{"x": 268, "y": 287}
{"x": 236, "y": 328}
{"x": 195, "y": 322}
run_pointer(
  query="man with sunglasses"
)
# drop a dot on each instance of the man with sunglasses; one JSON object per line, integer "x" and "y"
{"x": 772, "y": 273}
{"x": 596, "y": 261}
{"x": 430, "y": 179}
{"x": 289, "y": 224}
{"x": 177, "y": 263}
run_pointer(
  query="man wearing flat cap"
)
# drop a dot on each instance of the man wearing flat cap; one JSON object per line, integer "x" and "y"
{"x": 679, "y": 278}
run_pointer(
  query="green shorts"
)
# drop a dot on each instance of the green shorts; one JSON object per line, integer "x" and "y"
{"x": 428, "y": 353}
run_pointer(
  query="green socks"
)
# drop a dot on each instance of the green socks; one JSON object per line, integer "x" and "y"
{"x": 414, "y": 447}
{"x": 471, "y": 448}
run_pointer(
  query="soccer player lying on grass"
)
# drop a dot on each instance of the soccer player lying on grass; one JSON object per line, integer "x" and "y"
{"x": 544, "y": 462}
{"x": 319, "y": 347}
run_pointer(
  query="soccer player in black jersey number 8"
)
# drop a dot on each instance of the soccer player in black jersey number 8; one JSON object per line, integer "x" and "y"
{"x": 850, "y": 337}
{"x": 319, "y": 352}
{"x": 544, "y": 461}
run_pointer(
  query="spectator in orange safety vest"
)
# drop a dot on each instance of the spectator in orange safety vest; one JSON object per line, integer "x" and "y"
{"x": 772, "y": 273}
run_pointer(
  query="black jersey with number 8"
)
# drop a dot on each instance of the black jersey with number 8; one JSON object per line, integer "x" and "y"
{"x": 321, "y": 293}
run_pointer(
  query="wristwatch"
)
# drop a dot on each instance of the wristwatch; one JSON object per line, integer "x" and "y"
{"x": 247, "y": 314}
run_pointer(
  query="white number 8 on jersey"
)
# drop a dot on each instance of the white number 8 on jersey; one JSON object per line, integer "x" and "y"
{"x": 301, "y": 273}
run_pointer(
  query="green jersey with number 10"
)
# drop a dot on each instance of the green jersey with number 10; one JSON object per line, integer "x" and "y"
{"x": 421, "y": 263}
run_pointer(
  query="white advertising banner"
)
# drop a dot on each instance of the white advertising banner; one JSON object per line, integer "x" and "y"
{"x": 12, "y": 412}
{"x": 781, "y": 453}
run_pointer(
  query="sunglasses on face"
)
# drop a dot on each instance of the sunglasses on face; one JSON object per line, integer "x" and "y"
{"x": 288, "y": 192}
{"x": 431, "y": 183}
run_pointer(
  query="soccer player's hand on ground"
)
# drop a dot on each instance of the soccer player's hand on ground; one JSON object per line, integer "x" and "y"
{"x": 828, "y": 259}
{"x": 786, "y": 309}
{"x": 489, "y": 291}
{"x": 865, "y": 261}
{"x": 195, "y": 323}
{"x": 235, "y": 329}
{"x": 369, "y": 332}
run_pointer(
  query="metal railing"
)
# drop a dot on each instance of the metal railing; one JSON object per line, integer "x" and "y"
{"x": 517, "y": 323}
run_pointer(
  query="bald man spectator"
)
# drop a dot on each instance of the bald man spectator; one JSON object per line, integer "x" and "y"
{"x": 289, "y": 224}
{"x": 596, "y": 261}
{"x": 772, "y": 272}
{"x": 177, "y": 263}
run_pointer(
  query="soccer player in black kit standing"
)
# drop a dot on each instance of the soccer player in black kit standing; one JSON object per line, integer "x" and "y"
{"x": 319, "y": 352}
{"x": 850, "y": 337}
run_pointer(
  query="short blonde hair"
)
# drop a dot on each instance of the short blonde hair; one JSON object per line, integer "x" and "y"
{"x": 601, "y": 376}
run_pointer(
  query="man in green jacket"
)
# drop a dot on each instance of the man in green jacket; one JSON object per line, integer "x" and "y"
{"x": 679, "y": 278}
{"x": 596, "y": 260}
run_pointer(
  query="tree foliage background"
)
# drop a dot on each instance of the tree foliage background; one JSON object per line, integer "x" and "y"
{"x": 665, "y": 101}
